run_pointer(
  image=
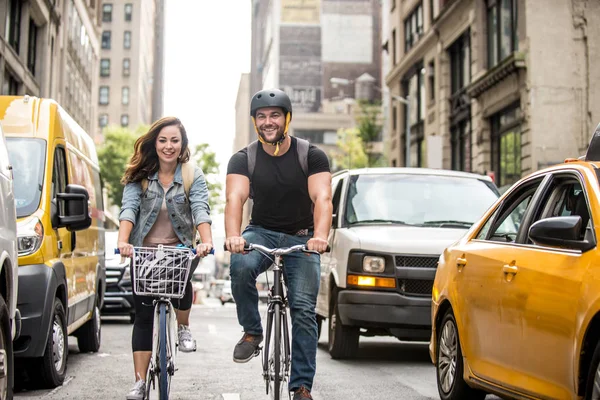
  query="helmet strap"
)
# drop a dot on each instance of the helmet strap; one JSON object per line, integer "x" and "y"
{"x": 288, "y": 118}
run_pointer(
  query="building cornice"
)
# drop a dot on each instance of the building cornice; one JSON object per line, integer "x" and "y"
{"x": 507, "y": 67}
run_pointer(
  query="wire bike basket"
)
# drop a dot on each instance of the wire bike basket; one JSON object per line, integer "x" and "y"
{"x": 161, "y": 271}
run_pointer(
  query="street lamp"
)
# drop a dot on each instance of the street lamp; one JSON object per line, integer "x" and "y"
{"x": 345, "y": 82}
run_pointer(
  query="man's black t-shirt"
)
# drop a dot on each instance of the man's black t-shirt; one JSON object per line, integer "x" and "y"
{"x": 281, "y": 199}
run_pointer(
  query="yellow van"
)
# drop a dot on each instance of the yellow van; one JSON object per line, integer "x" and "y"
{"x": 60, "y": 235}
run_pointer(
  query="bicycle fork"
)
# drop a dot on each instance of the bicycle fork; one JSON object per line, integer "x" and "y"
{"x": 172, "y": 340}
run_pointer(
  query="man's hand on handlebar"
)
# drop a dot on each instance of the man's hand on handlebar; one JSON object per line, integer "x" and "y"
{"x": 235, "y": 244}
{"x": 317, "y": 244}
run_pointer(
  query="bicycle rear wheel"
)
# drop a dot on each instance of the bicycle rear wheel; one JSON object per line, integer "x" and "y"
{"x": 163, "y": 374}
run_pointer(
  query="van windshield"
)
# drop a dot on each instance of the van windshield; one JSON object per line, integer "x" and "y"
{"x": 27, "y": 157}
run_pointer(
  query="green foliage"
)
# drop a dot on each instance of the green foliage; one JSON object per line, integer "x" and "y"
{"x": 206, "y": 159}
{"x": 370, "y": 128}
{"x": 351, "y": 151}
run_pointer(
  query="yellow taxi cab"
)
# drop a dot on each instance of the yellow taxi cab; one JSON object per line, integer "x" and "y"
{"x": 516, "y": 301}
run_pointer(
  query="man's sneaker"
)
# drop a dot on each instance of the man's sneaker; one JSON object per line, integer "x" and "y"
{"x": 187, "y": 344}
{"x": 247, "y": 348}
{"x": 138, "y": 391}
{"x": 302, "y": 393}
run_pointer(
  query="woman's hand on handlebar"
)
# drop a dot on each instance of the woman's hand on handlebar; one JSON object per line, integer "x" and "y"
{"x": 203, "y": 249}
{"x": 235, "y": 244}
{"x": 125, "y": 249}
{"x": 317, "y": 244}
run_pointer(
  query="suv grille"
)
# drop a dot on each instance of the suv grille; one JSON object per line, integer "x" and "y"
{"x": 415, "y": 287}
{"x": 416, "y": 261}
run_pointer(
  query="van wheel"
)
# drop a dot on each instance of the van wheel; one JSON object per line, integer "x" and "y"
{"x": 319, "y": 325}
{"x": 52, "y": 366}
{"x": 343, "y": 340}
{"x": 90, "y": 334}
{"x": 7, "y": 370}
{"x": 592, "y": 390}
{"x": 449, "y": 366}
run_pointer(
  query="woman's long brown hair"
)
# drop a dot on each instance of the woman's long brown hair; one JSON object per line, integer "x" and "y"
{"x": 144, "y": 161}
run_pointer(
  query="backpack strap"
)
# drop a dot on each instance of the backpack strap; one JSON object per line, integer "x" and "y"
{"x": 251, "y": 150}
{"x": 302, "y": 146}
{"x": 187, "y": 171}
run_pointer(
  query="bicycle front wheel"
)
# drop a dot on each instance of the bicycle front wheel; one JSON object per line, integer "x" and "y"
{"x": 278, "y": 356}
{"x": 163, "y": 374}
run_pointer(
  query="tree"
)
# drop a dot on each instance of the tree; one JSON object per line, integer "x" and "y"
{"x": 351, "y": 151}
{"x": 369, "y": 130}
{"x": 206, "y": 159}
{"x": 113, "y": 156}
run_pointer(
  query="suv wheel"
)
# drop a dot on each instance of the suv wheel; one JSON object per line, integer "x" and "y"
{"x": 343, "y": 340}
{"x": 7, "y": 370}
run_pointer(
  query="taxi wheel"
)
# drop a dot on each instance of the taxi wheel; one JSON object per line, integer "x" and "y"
{"x": 449, "y": 365}
{"x": 592, "y": 391}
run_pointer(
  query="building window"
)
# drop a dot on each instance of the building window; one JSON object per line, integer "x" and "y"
{"x": 104, "y": 94}
{"x": 125, "y": 95}
{"x": 413, "y": 28}
{"x": 125, "y": 120}
{"x": 431, "y": 80}
{"x": 11, "y": 85}
{"x": 126, "y": 66}
{"x": 460, "y": 103}
{"x": 105, "y": 67}
{"x": 13, "y": 24}
{"x": 460, "y": 138}
{"x": 394, "y": 58}
{"x": 103, "y": 120}
{"x": 107, "y": 10}
{"x": 506, "y": 145}
{"x": 127, "y": 40}
{"x": 106, "y": 40}
{"x": 128, "y": 12}
{"x": 502, "y": 32}
{"x": 394, "y": 118}
{"x": 413, "y": 85}
{"x": 32, "y": 46}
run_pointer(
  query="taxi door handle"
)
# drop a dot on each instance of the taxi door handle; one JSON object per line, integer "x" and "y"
{"x": 461, "y": 262}
{"x": 510, "y": 269}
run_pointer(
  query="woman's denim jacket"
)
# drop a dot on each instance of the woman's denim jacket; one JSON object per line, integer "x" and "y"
{"x": 142, "y": 209}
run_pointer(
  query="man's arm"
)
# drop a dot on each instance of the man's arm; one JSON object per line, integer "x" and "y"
{"x": 237, "y": 191}
{"x": 319, "y": 189}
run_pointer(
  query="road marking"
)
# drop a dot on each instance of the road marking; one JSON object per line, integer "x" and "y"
{"x": 212, "y": 329}
{"x": 231, "y": 396}
{"x": 65, "y": 383}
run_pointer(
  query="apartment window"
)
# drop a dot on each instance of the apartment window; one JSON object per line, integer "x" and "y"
{"x": 394, "y": 59}
{"x": 106, "y": 40}
{"x": 103, "y": 120}
{"x": 13, "y": 24}
{"x": 506, "y": 145}
{"x": 414, "y": 87}
{"x": 125, "y": 95}
{"x": 413, "y": 28}
{"x": 125, "y": 120}
{"x": 104, "y": 94}
{"x": 128, "y": 12}
{"x": 32, "y": 46}
{"x": 431, "y": 80}
{"x": 394, "y": 118}
{"x": 460, "y": 103}
{"x": 126, "y": 66}
{"x": 107, "y": 10}
{"x": 127, "y": 40}
{"x": 502, "y": 30}
{"x": 105, "y": 67}
{"x": 11, "y": 85}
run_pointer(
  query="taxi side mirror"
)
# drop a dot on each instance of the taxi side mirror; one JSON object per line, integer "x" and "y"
{"x": 559, "y": 232}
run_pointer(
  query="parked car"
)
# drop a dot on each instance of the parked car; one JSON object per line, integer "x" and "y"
{"x": 226, "y": 295}
{"x": 516, "y": 302}
{"x": 10, "y": 317}
{"x": 60, "y": 219}
{"x": 118, "y": 299}
{"x": 389, "y": 227}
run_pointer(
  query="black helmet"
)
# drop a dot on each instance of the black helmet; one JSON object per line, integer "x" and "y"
{"x": 270, "y": 98}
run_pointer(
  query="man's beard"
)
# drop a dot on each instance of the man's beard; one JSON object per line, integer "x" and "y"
{"x": 278, "y": 137}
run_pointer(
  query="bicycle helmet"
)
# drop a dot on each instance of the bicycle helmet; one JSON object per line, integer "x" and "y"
{"x": 271, "y": 98}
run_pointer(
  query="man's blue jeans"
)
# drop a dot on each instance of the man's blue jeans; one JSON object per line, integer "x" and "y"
{"x": 303, "y": 273}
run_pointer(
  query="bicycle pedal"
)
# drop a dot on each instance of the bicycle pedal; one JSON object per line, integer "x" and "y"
{"x": 257, "y": 351}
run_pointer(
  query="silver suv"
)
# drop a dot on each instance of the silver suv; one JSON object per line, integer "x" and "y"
{"x": 389, "y": 228}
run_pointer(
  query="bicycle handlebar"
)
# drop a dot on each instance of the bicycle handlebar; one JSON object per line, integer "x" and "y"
{"x": 279, "y": 251}
{"x": 212, "y": 251}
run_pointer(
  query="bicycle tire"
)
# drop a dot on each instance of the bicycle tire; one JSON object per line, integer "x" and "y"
{"x": 277, "y": 378}
{"x": 163, "y": 374}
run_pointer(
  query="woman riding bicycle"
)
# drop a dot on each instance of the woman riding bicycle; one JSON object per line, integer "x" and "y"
{"x": 158, "y": 207}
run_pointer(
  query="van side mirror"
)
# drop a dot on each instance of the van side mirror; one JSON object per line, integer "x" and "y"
{"x": 559, "y": 232}
{"x": 74, "y": 204}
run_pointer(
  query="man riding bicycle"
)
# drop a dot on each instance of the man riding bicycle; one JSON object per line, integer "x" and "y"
{"x": 291, "y": 190}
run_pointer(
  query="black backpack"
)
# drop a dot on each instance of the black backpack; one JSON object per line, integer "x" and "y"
{"x": 302, "y": 146}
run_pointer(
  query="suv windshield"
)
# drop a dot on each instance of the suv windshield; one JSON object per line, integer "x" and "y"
{"x": 422, "y": 200}
{"x": 27, "y": 157}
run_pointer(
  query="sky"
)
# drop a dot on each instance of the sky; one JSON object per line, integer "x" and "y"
{"x": 207, "y": 48}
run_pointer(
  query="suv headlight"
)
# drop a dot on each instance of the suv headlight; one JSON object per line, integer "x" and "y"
{"x": 373, "y": 264}
{"x": 29, "y": 236}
